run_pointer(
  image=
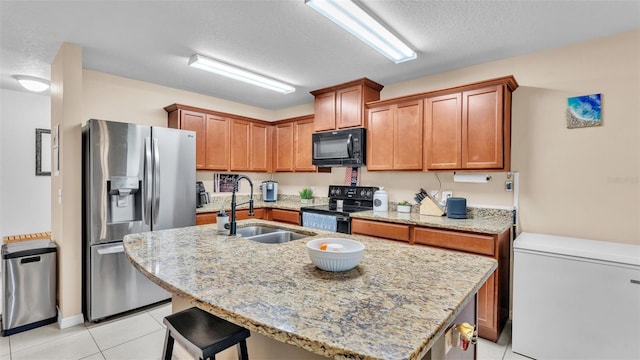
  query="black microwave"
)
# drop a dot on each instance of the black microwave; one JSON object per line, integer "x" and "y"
{"x": 346, "y": 147}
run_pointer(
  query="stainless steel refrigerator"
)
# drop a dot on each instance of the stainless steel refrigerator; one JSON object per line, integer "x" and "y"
{"x": 136, "y": 178}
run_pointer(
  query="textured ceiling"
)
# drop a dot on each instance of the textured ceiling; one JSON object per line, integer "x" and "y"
{"x": 285, "y": 39}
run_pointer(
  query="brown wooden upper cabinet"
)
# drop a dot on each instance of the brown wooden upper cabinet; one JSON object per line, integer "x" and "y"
{"x": 302, "y": 131}
{"x": 217, "y": 143}
{"x": 292, "y": 145}
{"x": 260, "y": 147}
{"x": 342, "y": 106}
{"x": 394, "y": 136}
{"x": 469, "y": 128}
{"x": 249, "y": 146}
{"x": 283, "y": 145}
{"x": 240, "y": 145}
{"x": 210, "y": 154}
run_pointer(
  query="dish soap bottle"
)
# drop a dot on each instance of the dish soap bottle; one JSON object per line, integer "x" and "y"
{"x": 380, "y": 200}
{"x": 222, "y": 219}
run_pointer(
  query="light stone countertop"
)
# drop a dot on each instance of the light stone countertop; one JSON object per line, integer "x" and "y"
{"x": 286, "y": 204}
{"x": 480, "y": 220}
{"x": 394, "y": 305}
{"x": 487, "y": 221}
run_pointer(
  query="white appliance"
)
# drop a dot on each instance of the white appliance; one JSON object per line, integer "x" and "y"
{"x": 575, "y": 298}
{"x": 380, "y": 200}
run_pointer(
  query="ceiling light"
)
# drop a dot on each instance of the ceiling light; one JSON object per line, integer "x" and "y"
{"x": 204, "y": 63}
{"x": 32, "y": 83}
{"x": 356, "y": 21}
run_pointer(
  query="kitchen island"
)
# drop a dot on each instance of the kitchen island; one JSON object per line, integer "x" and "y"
{"x": 396, "y": 304}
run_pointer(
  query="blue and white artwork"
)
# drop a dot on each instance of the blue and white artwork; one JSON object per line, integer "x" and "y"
{"x": 583, "y": 111}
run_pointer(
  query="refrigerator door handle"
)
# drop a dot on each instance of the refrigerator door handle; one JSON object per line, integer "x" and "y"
{"x": 111, "y": 250}
{"x": 156, "y": 180}
{"x": 147, "y": 181}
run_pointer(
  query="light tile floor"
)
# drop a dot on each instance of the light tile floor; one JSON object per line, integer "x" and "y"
{"x": 140, "y": 336}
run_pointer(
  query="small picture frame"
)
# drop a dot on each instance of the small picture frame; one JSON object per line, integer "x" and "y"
{"x": 56, "y": 150}
{"x": 584, "y": 111}
{"x": 43, "y": 152}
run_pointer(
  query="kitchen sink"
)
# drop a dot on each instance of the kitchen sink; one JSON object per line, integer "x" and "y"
{"x": 255, "y": 230}
{"x": 277, "y": 237}
{"x": 269, "y": 235}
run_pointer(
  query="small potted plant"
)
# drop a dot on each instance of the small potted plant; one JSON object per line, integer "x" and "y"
{"x": 404, "y": 207}
{"x": 306, "y": 196}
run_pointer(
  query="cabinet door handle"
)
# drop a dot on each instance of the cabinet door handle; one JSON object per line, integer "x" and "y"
{"x": 637, "y": 282}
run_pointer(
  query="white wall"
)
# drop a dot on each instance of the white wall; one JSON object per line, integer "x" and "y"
{"x": 25, "y": 205}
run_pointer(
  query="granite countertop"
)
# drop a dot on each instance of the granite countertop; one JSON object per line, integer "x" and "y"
{"x": 481, "y": 220}
{"x": 394, "y": 305}
{"x": 286, "y": 204}
{"x": 488, "y": 221}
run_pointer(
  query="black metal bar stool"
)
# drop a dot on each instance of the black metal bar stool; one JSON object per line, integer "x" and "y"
{"x": 203, "y": 334}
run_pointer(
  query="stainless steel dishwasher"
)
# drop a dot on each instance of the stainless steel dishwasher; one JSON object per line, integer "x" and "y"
{"x": 29, "y": 285}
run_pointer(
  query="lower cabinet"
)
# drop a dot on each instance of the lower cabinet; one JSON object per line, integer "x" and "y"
{"x": 493, "y": 296}
{"x": 481, "y": 244}
{"x": 244, "y": 214}
{"x": 285, "y": 216}
{"x": 210, "y": 217}
{"x": 487, "y": 309}
{"x": 380, "y": 229}
{"x": 206, "y": 218}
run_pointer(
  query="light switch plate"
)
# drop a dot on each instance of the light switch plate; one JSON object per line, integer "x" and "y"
{"x": 508, "y": 185}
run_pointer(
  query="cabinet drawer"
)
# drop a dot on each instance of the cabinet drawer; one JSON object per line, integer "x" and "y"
{"x": 211, "y": 218}
{"x": 472, "y": 243}
{"x": 380, "y": 229}
{"x": 244, "y": 214}
{"x": 286, "y": 216}
{"x": 205, "y": 218}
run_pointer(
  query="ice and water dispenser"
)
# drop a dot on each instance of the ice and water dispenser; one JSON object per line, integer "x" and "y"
{"x": 124, "y": 199}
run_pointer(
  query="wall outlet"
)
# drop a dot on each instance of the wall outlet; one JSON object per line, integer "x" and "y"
{"x": 508, "y": 185}
{"x": 445, "y": 195}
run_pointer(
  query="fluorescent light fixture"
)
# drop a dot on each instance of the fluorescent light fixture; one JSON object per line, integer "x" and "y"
{"x": 471, "y": 178}
{"x": 356, "y": 21}
{"x": 32, "y": 83}
{"x": 217, "y": 67}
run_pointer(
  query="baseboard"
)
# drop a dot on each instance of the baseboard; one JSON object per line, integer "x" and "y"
{"x": 69, "y": 321}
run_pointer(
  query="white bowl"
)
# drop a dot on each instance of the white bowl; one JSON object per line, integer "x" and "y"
{"x": 343, "y": 259}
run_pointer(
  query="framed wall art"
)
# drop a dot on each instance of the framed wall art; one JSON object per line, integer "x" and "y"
{"x": 584, "y": 111}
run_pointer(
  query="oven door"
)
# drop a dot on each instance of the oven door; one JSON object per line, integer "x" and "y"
{"x": 326, "y": 221}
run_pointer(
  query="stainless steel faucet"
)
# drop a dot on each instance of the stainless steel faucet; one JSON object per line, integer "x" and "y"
{"x": 232, "y": 223}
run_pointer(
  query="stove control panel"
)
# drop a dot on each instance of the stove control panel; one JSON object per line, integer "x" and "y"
{"x": 352, "y": 192}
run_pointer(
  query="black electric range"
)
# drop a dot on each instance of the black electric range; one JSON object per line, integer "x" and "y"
{"x": 332, "y": 216}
